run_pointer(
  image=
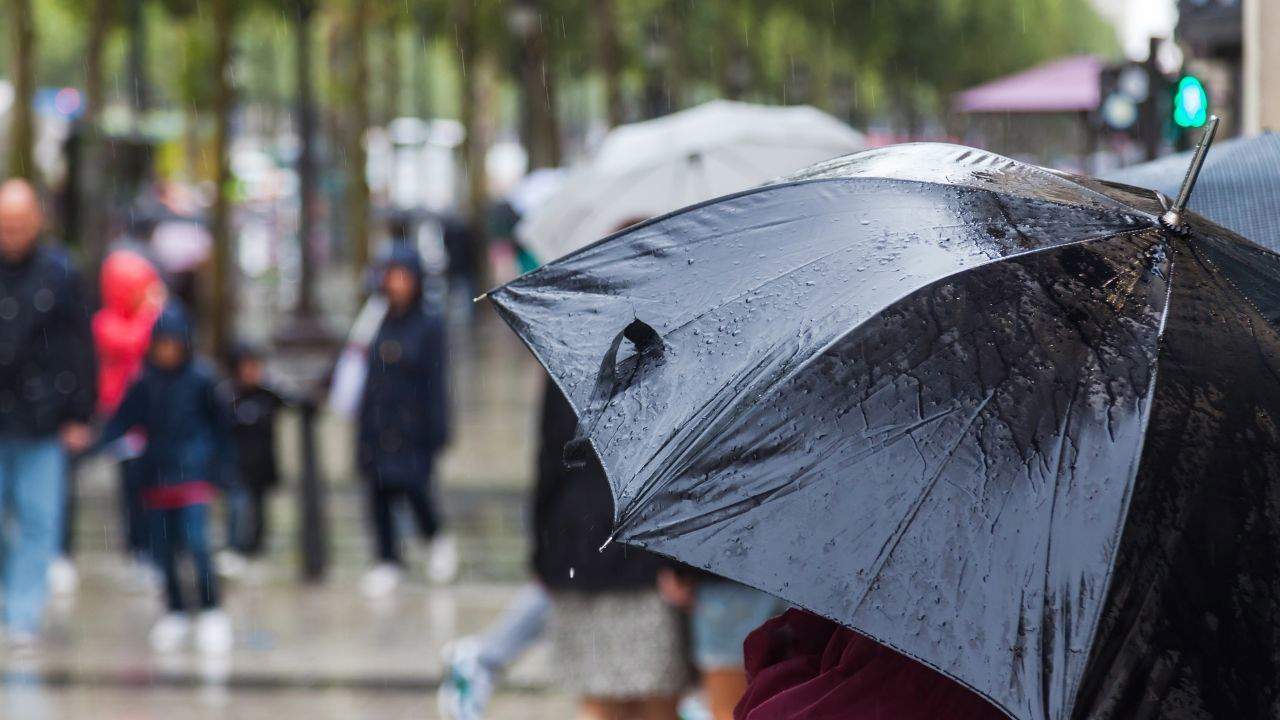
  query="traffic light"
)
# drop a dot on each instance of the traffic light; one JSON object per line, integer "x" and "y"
{"x": 1123, "y": 89}
{"x": 1190, "y": 103}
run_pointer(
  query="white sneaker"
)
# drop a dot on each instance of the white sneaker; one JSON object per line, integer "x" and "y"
{"x": 63, "y": 578}
{"x": 467, "y": 684}
{"x": 169, "y": 632}
{"x": 230, "y": 564}
{"x": 213, "y": 632}
{"x": 381, "y": 581}
{"x": 442, "y": 560}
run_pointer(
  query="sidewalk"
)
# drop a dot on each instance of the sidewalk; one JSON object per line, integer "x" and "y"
{"x": 307, "y": 652}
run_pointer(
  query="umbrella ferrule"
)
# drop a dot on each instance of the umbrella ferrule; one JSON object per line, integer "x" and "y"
{"x": 1172, "y": 219}
{"x": 1172, "y": 222}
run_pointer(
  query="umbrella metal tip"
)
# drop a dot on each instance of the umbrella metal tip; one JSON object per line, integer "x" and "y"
{"x": 1172, "y": 221}
{"x": 481, "y": 296}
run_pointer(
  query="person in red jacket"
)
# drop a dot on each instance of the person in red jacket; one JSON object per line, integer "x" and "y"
{"x": 800, "y": 665}
{"x": 132, "y": 297}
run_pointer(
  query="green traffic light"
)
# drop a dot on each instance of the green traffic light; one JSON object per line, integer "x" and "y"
{"x": 1190, "y": 103}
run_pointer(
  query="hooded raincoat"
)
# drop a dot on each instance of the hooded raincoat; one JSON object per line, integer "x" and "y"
{"x": 122, "y": 327}
{"x": 403, "y": 417}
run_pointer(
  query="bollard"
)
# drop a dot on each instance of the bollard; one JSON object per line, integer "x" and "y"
{"x": 313, "y": 531}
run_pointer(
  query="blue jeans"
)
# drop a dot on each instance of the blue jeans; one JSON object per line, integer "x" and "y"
{"x": 724, "y": 613}
{"x": 177, "y": 530}
{"x": 522, "y": 623}
{"x": 236, "y": 505}
{"x": 32, "y": 496}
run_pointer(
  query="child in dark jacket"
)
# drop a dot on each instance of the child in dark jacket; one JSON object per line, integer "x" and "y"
{"x": 176, "y": 403}
{"x": 254, "y": 408}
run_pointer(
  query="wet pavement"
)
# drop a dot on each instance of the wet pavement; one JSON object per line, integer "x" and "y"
{"x": 310, "y": 651}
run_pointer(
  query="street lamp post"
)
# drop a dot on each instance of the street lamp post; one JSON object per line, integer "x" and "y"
{"x": 305, "y": 309}
{"x": 308, "y": 343}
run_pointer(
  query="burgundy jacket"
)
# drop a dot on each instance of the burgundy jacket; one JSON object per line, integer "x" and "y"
{"x": 801, "y": 666}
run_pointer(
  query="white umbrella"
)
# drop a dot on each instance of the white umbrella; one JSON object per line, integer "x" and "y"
{"x": 181, "y": 245}
{"x": 654, "y": 167}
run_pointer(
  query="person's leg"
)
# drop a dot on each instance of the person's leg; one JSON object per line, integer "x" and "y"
{"x": 69, "y": 514}
{"x": 382, "y": 514}
{"x": 256, "y": 521}
{"x": 164, "y": 536}
{"x": 165, "y": 540}
{"x": 236, "y": 501}
{"x": 6, "y": 504}
{"x": 724, "y": 687}
{"x": 423, "y": 507}
{"x": 519, "y": 627}
{"x": 599, "y": 709}
{"x": 137, "y": 522}
{"x": 38, "y": 490}
{"x": 194, "y": 523}
{"x": 657, "y": 708}
{"x": 723, "y": 614}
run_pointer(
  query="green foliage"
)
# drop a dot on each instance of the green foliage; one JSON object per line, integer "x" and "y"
{"x": 865, "y": 59}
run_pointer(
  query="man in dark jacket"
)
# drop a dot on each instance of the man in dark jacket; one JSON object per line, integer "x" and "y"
{"x": 189, "y": 451}
{"x": 403, "y": 422}
{"x": 46, "y": 399}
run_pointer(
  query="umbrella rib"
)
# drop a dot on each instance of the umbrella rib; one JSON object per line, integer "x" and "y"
{"x": 1048, "y": 546}
{"x": 891, "y": 544}
{"x": 1135, "y": 466}
{"x": 1218, "y": 271}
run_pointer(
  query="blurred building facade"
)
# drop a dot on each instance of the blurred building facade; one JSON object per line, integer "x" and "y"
{"x": 1260, "y": 66}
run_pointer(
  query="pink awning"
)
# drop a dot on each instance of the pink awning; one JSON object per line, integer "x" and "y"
{"x": 1068, "y": 84}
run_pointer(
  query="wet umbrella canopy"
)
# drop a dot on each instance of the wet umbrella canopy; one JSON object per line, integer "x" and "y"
{"x": 990, "y": 415}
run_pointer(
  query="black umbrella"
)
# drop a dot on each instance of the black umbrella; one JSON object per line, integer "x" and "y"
{"x": 1239, "y": 188}
{"x": 1001, "y": 419}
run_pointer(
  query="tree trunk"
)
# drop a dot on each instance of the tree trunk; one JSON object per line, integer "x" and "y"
{"x": 421, "y": 67}
{"x": 220, "y": 299}
{"x": 391, "y": 69}
{"x": 475, "y": 143}
{"x": 610, "y": 59}
{"x": 735, "y": 69}
{"x": 93, "y": 192}
{"x": 358, "y": 122}
{"x": 677, "y": 68}
{"x": 537, "y": 78}
{"x": 22, "y": 122}
{"x": 139, "y": 89}
{"x": 305, "y": 115}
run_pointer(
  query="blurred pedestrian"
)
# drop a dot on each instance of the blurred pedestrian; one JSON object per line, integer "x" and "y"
{"x": 47, "y": 390}
{"x": 187, "y": 422}
{"x": 404, "y": 423}
{"x": 254, "y": 409}
{"x": 462, "y": 257}
{"x": 802, "y": 666}
{"x": 722, "y": 613}
{"x": 473, "y": 664}
{"x": 616, "y": 643}
{"x": 132, "y": 297}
